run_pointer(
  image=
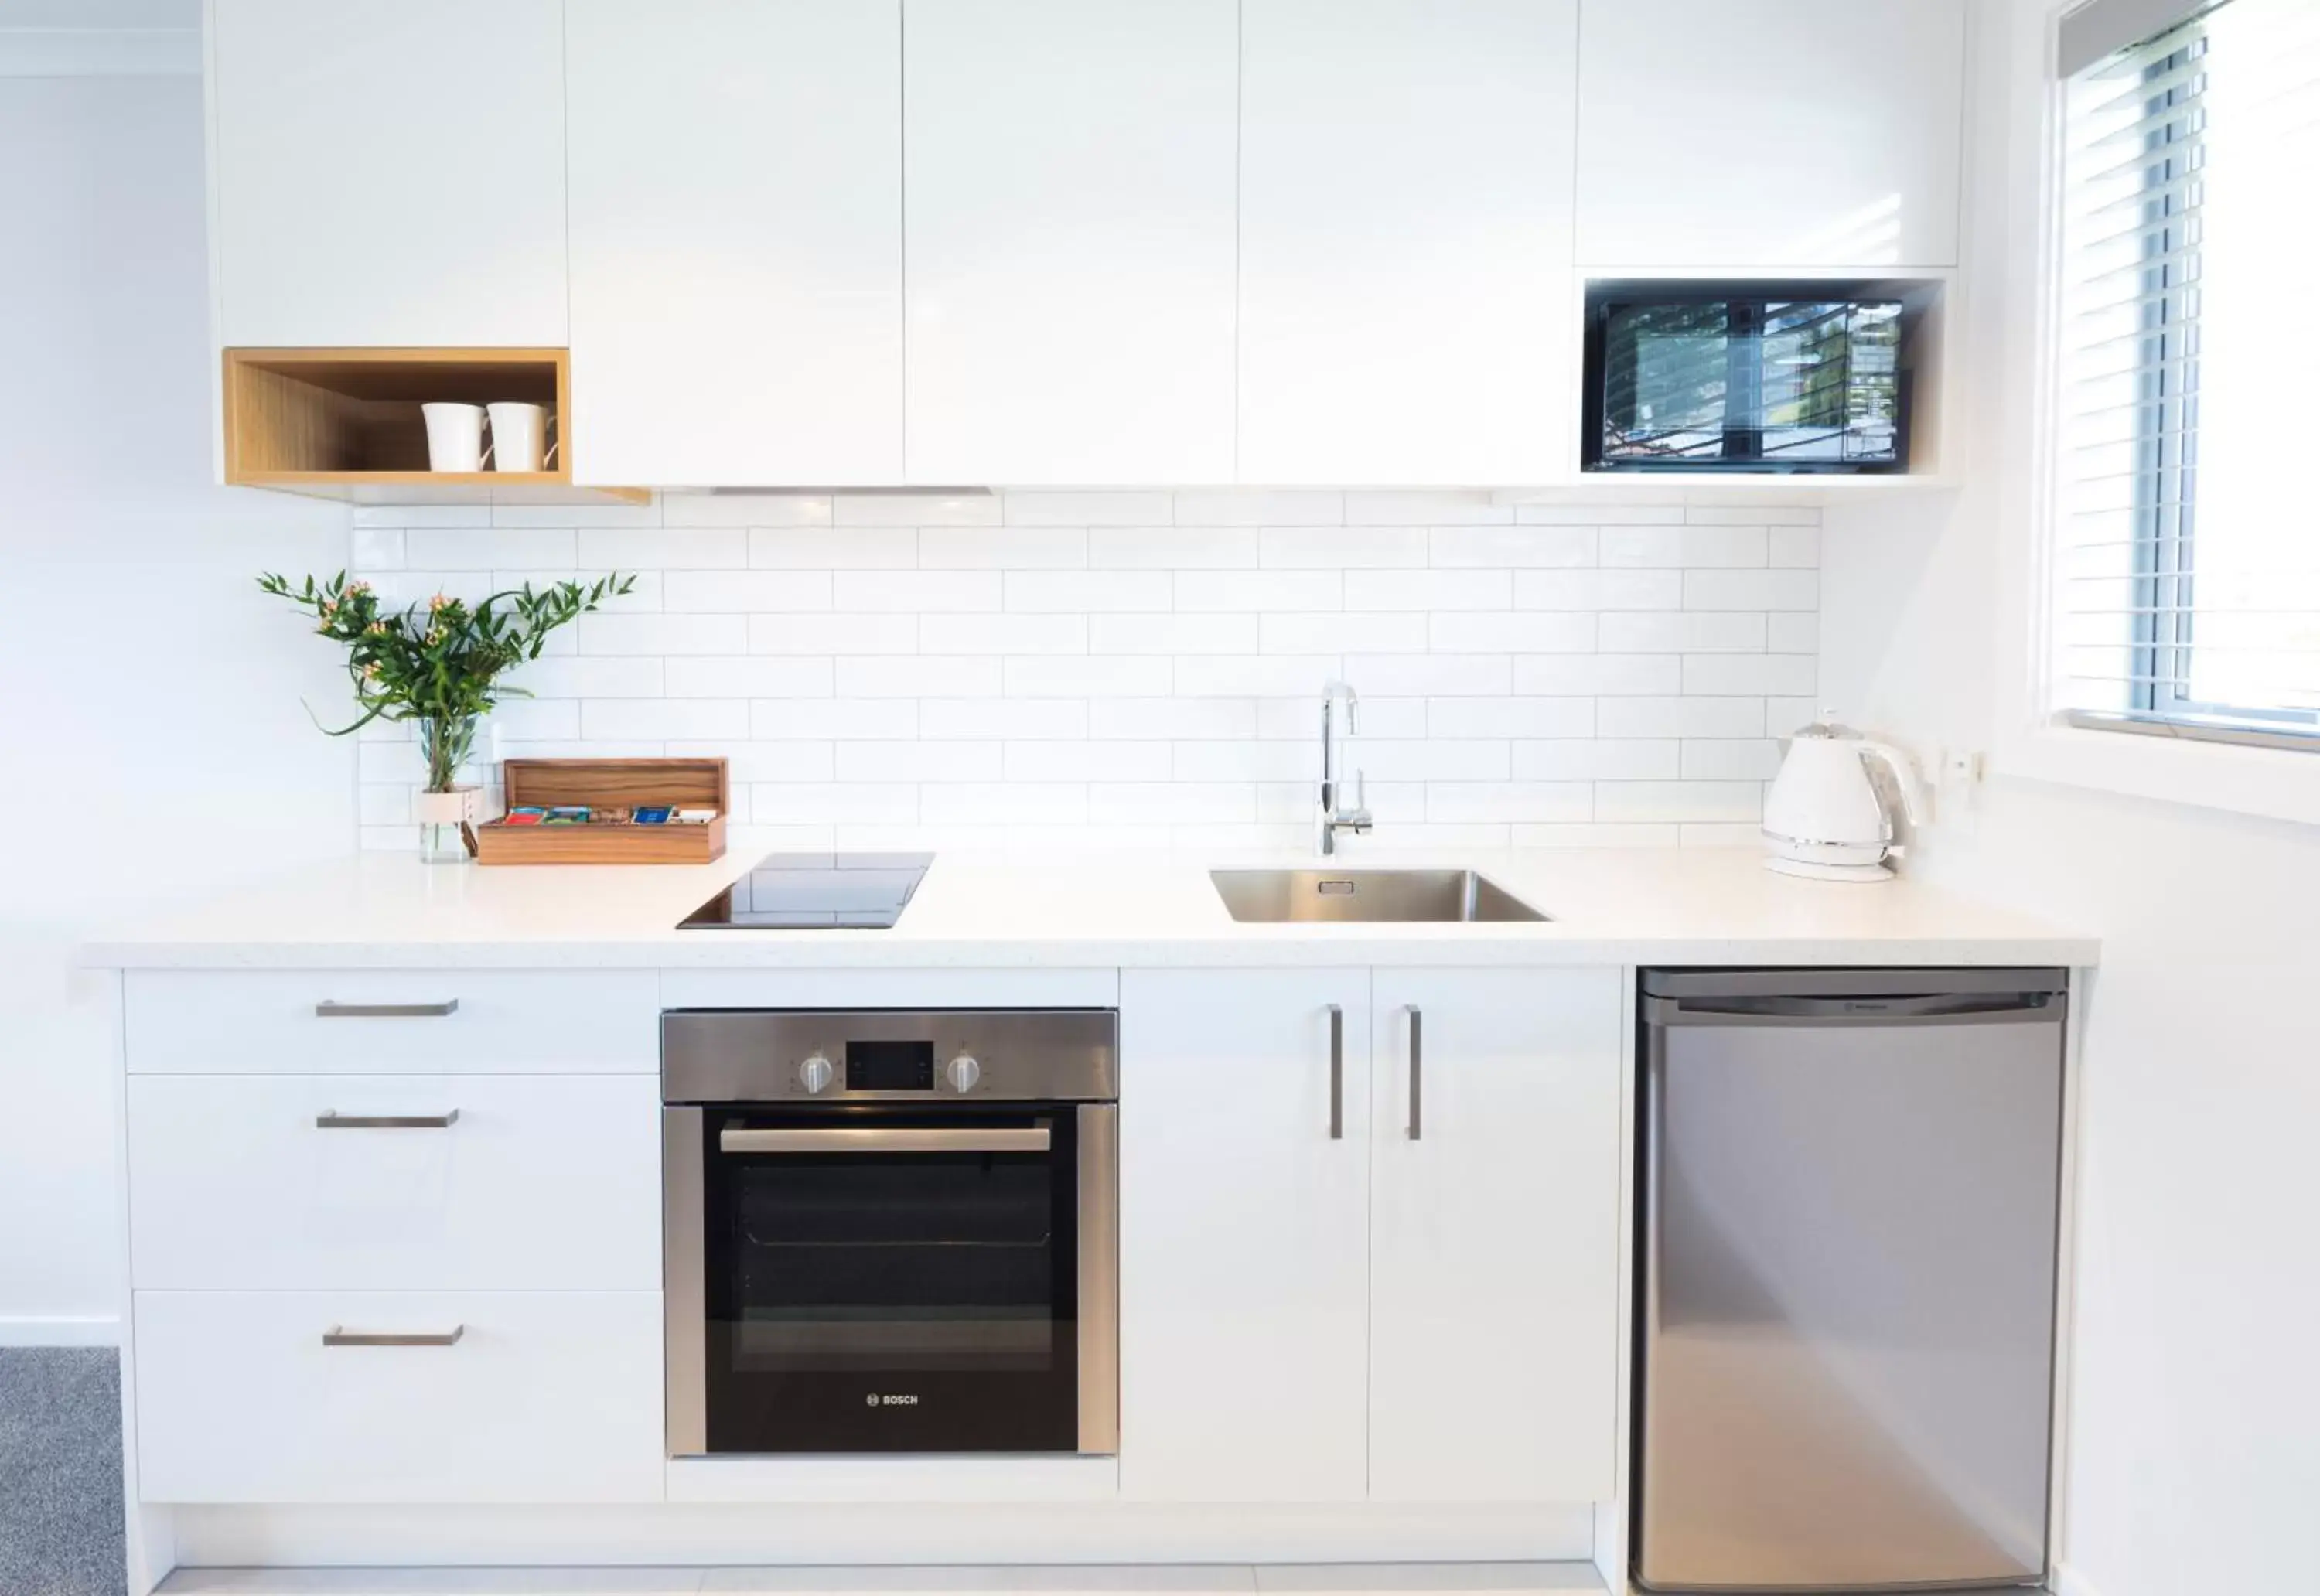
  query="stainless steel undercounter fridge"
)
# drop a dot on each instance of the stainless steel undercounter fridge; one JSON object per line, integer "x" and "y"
{"x": 1850, "y": 1200}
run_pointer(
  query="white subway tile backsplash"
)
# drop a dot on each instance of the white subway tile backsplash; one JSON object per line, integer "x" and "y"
{"x": 1342, "y": 632}
{"x": 1546, "y": 548}
{"x": 1134, "y": 508}
{"x": 1730, "y": 759}
{"x": 480, "y": 549}
{"x": 1587, "y": 759}
{"x": 1421, "y": 509}
{"x": 1003, "y": 548}
{"x": 1599, "y": 590}
{"x": 1512, "y": 632}
{"x": 805, "y": 632}
{"x": 1041, "y": 759}
{"x": 1070, "y": 671}
{"x": 1003, "y": 634}
{"x": 920, "y": 592}
{"x": 1260, "y": 590}
{"x": 801, "y": 718}
{"x": 1751, "y": 590}
{"x": 1120, "y": 633}
{"x": 611, "y": 718}
{"x": 834, "y": 548}
{"x": 1339, "y": 548}
{"x": 1080, "y": 593}
{"x": 1510, "y": 717}
{"x": 1678, "y": 801}
{"x": 918, "y": 675}
{"x": 1770, "y": 674}
{"x": 1172, "y": 548}
{"x": 1005, "y": 718}
{"x": 1260, "y": 507}
{"x": 666, "y": 548}
{"x": 916, "y": 509}
{"x": 744, "y": 593}
{"x": 916, "y": 761}
{"x": 1429, "y": 590}
{"x": 1116, "y": 676}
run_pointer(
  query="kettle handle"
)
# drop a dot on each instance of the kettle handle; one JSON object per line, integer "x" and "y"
{"x": 1903, "y": 778}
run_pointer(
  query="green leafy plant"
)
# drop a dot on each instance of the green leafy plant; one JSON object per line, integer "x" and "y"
{"x": 441, "y": 665}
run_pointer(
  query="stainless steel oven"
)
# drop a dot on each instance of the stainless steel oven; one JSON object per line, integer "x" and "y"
{"x": 891, "y": 1232}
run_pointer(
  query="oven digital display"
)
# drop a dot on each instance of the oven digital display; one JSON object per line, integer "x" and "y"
{"x": 890, "y": 1067}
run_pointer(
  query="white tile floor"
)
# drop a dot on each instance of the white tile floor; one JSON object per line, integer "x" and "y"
{"x": 1471, "y": 1579}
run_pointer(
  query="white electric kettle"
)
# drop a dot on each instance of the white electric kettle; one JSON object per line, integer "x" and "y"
{"x": 1824, "y": 817}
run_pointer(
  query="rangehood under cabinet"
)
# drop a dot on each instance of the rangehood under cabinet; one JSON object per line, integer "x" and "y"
{"x": 1141, "y": 244}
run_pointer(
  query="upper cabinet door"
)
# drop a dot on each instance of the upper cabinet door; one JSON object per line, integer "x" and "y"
{"x": 1405, "y": 226}
{"x": 1494, "y": 1255}
{"x": 737, "y": 240}
{"x": 1070, "y": 217}
{"x": 389, "y": 172}
{"x": 1784, "y": 132}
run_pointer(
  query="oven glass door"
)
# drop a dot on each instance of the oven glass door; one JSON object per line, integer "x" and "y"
{"x": 891, "y": 1279}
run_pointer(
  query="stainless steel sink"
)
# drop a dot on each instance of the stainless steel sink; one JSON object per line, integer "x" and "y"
{"x": 1367, "y": 895}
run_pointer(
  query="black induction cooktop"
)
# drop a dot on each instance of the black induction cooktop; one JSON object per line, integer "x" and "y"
{"x": 814, "y": 892}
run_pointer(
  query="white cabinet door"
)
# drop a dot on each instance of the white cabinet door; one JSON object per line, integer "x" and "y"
{"x": 261, "y": 1182}
{"x": 1785, "y": 132}
{"x": 1069, "y": 218}
{"x": 1494, "y": 1261}
{"x": 1244, "y": 1292}
{"x": 389, "y": 171}
{"x": 542, "y": 1397}
{"x": 737, "y": 240}
{"x": 1405, "y": 235}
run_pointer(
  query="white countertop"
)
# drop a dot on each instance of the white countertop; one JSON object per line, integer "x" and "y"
{"x": 1623, "y": 906}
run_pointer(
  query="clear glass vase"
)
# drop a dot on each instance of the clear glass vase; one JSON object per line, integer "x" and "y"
{"x": 445, "y": 810}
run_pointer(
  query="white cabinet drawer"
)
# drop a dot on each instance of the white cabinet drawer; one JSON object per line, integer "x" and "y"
{"x": 538, "y": 1182}
{"x": 391, "y": 1021}
{"x": 544, "y": 1397}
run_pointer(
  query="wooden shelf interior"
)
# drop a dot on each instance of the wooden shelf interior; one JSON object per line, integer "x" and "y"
{"x": 296, "y": 416}
{"x": 685, "y": 783}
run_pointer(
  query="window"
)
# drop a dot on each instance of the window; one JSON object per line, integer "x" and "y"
{"x": 2188, "y": 452}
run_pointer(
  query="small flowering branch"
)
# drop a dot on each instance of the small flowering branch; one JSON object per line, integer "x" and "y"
{"x": 443, "y": 663}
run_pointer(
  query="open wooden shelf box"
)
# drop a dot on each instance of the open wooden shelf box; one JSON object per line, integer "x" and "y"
{"x": 685, "y": 783}
{"x": 346, "y": 423}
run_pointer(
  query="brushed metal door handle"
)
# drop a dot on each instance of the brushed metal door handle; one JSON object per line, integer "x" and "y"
{"x": 899, "y": 1139}
{"x": 331, "y": 1120}
{"x": 339, "y": 1336}
{"x": 1416, "y": 1076}
{"x": 329, "y": 1009}
{"x": 1337, "y": 1072}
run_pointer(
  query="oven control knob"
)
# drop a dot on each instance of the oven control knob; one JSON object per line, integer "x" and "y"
{"x": 964, "y": 1072}
{"x": 815, "y": 1074}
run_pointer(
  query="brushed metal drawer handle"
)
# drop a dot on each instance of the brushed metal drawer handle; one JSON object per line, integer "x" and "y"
{"x": 331, "y": 1120}
{"x": 339, "y": 1336}
{"x": 1337, "y": 1072}
{"x": 329, "y": 1009}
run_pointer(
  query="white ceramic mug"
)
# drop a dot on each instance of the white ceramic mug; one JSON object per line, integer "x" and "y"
{"x": 518, "y": 433}
{"x": 455, "y": 437}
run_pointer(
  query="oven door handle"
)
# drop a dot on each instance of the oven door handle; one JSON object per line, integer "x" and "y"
{"x": 895, "y": 1138}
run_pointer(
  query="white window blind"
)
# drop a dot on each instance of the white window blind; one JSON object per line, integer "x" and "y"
{"x": 2189, "y": 587}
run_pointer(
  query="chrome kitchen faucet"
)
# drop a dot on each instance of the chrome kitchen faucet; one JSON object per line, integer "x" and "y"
{"x": 1333, "y": 820}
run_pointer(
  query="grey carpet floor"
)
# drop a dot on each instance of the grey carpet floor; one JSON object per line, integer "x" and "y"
{"x": 59, "y": 1472}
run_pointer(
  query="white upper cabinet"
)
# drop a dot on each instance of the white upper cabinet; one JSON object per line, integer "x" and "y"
{"x": 737, "y": 240}
{"x": 1779, "y": 133}
{"x": 1494, "y": 1259}
{"x": 1244, "y": 1235}
{"x": 389, "y": 172}
{"x": 1405, "y": 235}
{"x": 1069, "y": 214}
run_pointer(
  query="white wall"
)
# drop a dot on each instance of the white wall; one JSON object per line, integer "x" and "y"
{"x": 2194, "y": 1428}
{"x": 155, "y": 746}
{"x": 1142, "y": 669}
